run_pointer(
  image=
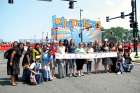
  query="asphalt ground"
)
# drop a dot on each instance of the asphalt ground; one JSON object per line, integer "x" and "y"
{"x": 91, "y": 83}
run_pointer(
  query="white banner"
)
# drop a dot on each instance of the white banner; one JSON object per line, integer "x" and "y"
{"x": 86, "y": 56}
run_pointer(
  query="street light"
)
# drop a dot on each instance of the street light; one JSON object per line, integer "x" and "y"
{"x": 56, "y": 29}
{"x": 81, "y": 32}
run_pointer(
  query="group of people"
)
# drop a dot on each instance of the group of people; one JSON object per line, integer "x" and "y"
{"x": 39, "y": 62}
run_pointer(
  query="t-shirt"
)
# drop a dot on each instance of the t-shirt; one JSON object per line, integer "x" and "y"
{"x": 61, "y": 49}
{"x": 127, "y": 48}
{"x": 71, "y": 49}
{"x": 80, "y": 50}
{"x": 35, "y": 66}
{"x": 128, "y": 60}
{"x": 47, "y": 58}
{"x": 53, "y": 49}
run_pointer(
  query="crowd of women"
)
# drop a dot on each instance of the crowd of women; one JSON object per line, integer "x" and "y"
{"x": 39, "y": 63}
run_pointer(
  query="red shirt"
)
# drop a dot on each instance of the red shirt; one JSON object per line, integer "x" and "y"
{"x": 53, "y": 49}
{"x": 127, "y": 48}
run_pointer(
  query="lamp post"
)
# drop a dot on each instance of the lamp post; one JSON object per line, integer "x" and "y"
{"x": 56, "y": 29}
{"x": 81, "y": 32}
{"x": 42, "y": 37}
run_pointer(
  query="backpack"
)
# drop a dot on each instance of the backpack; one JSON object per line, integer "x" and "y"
{"x": 8, "y": 53}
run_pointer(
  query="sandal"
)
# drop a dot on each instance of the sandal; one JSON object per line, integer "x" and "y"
{"x": 13, "y": 84}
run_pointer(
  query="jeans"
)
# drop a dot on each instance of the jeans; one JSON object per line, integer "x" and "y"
{"x": 119, "y": 67}
{"x": 89, "y": 66}
{"x": 66, "y": 67}
{"x": 39, "y": 78}
{"x": 47, "y": 73}
{"x": 26, "y": 75}
{"x": 72, "y": 65}
{"x": 61, "y": 71}
{"x": 128, "y": 67}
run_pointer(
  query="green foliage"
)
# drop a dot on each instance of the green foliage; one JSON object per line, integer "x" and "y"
{"x": 117, "y": 32}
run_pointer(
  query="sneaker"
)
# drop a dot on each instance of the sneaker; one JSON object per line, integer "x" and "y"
{"x": 70, "y": 75}
{"x": 74, "y": 75}
{"x": 82, "y": 74}
{"x": 79, "y": 75}
{"x": 119, "y": 73}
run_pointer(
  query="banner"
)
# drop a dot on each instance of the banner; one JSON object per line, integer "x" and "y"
{"x": 86, "y": 56}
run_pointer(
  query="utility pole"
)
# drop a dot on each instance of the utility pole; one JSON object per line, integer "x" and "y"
{"x": 10, "y": 1}
{"x": 56, "y": 29}
{"x": 42, "y": 37}
{"x": 135, "y": 26}
{"x": 81, "y": 32}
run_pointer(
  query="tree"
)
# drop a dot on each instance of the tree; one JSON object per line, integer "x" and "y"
{"x": 117, "y": 32}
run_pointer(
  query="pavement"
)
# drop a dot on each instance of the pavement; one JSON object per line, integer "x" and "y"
{"x": 135, "y": 59}
{"x": 91, "y": 83}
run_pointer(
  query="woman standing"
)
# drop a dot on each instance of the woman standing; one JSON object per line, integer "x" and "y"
{"x": 71, "y": 49}
{"x": 47, "y": 60}
{"x": 53, "y": 64}
{"x": 61, "y": 64}
{"x": 106, "y": 61}
{"x": 37, "y": 53}
{"x": 13, "y": 55}
{"x": 27, "y": 60}
{"x": 66, "y": 43}
{"x": 80, "y": 62}
{"x": 113, "y": 48}
{"x": 27, "y": 55}
{"x": 97, "y": 48}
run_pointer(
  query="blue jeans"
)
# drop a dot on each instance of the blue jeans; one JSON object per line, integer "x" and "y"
{"x": 39, "y": 78}
{"x": 71, "y": 66}
{"x": 47, "y": 73}
{"x": 61, "y": 70}
{"x": 128, "y": 67}
{"x": 89, "y": 66}
{"x": 119, "y": 67}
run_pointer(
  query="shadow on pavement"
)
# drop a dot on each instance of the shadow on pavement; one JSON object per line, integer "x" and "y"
{"x": 4, "y": 81}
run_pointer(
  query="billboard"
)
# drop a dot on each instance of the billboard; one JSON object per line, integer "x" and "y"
{"x": 66, "y": 29}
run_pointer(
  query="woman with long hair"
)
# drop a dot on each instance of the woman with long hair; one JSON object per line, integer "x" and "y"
{"x": 61, "y": 63}
{"x": 97, "y": 48}
{"x": 13, "y": 55}
{"x": 80, "y": 62}
{"x": 71, "y": 49}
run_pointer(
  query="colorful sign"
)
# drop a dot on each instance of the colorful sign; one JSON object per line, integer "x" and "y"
{"x": 72, "y": 23}
{"x": 65, "y": 29}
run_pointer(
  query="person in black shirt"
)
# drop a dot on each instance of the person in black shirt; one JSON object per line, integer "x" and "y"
{"x": 13, "y": 55}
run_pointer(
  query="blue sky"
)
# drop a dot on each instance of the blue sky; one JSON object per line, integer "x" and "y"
{"x": 29, "y": 18}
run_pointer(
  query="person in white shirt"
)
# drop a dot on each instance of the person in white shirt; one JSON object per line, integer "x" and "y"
{"x": 80, "y": 62}
{"x": 61, "y": 50}
{"x": 36, "y": 76}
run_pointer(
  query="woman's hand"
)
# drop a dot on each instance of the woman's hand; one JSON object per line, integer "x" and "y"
{"x": 11, "y": 63}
